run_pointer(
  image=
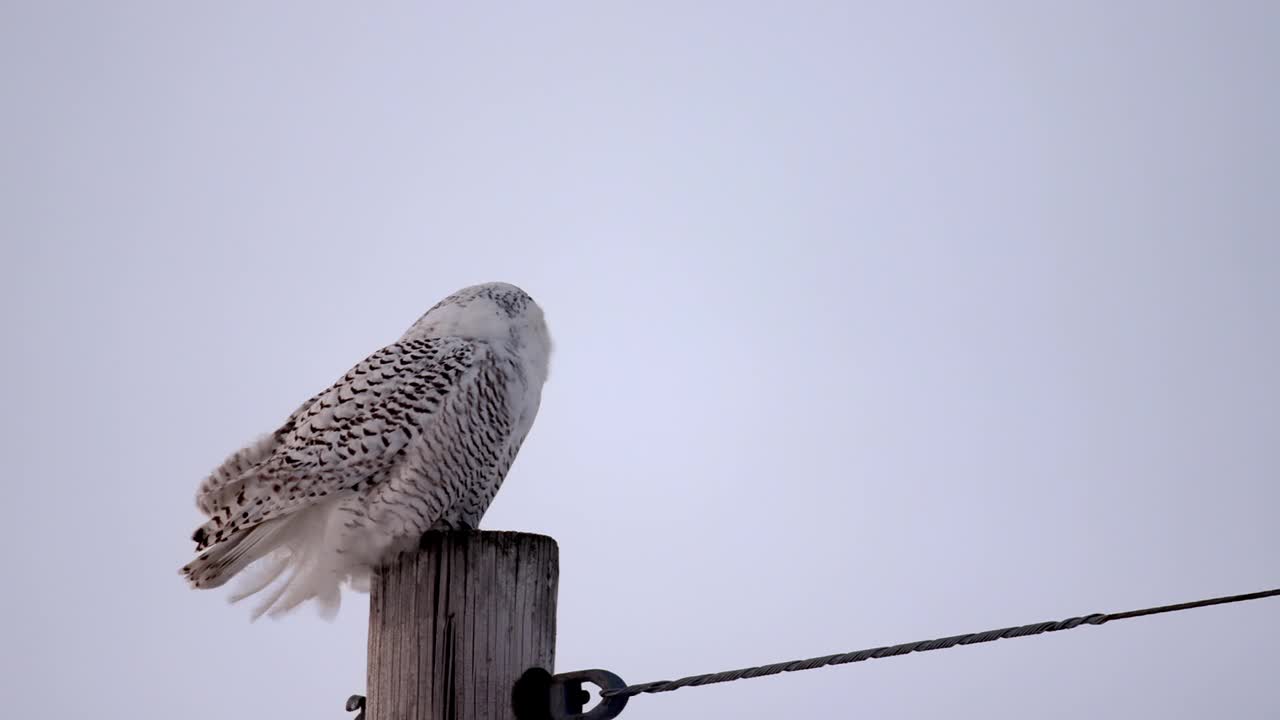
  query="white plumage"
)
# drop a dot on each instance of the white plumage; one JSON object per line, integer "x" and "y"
{"x": 418, "y": 436}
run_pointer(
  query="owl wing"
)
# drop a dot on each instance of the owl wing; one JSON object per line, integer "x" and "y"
{"x": 343, "y": 438}
{"x": 244, "y": 460}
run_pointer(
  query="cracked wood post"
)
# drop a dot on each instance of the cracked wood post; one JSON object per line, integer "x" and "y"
{"x": 455, "y": 624}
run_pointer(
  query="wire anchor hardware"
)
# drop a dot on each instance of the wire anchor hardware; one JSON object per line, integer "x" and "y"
{"x": 568, "y": 698}
{"x": 539, "y": 695}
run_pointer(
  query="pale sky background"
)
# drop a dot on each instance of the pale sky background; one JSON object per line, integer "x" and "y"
{"x": 874, "y": 322}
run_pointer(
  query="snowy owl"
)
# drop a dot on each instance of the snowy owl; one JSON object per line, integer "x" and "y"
{"x": 417, "y": 437}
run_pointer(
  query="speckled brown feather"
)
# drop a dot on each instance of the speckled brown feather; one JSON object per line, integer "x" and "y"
{"x": 357, "y": 428}
{"x": 419, "y": 435}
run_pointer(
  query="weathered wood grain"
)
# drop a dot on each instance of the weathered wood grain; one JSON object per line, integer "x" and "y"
{"x": 455, "y": 624}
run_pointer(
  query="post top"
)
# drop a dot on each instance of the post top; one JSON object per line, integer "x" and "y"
{"x": 499, "y": 538}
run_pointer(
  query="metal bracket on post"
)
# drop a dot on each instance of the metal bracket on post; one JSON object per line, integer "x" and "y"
{"x": 354, "y": 703}
{"x": 568, "y": 697}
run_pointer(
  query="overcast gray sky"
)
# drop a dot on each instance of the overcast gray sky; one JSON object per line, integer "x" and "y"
{"x": 874, "y": 322}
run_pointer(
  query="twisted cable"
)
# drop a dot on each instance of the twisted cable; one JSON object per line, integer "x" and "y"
{"x": 922, "y": 646}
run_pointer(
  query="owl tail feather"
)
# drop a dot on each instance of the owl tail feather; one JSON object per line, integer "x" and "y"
{"x": 305, "y": 545}
{"x": 221, "y": 562}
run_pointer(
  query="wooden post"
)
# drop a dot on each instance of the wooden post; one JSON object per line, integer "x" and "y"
{"x": 454, "y": 625}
